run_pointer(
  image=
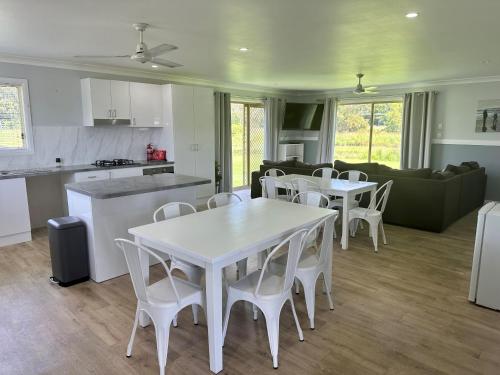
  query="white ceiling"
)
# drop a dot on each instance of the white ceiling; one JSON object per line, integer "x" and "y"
{"x": 294, "y": 44}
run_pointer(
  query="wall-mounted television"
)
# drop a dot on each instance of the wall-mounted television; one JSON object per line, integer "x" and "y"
{"x": 303, "y": 116}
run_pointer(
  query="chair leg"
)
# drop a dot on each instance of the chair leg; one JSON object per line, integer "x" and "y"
{"x": 328, "y": 292}
{"x": 162, "y": 335}
{"x": 272, "y": 324}
{"x": 229, "y": 304}
{"x": 310, "y": 296}
{"x": 132, "y": 336}
{"x": 383, "y": 232}
{"x": 297, "y": 286}
{"x": 374, "y": 235}
{"x": 255, "y": 311}
{"x": 195, "y": 314}
{"x": 297, "y": 324}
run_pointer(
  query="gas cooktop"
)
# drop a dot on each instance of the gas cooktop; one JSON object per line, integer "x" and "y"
{"x": 114, "y": 163}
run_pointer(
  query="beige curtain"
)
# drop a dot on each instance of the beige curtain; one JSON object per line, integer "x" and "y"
{"x": 223, "y": 147}
{"x": 327, "y": 132}
{"x": 418, "y": 115}
{"x": 274, "y": 114}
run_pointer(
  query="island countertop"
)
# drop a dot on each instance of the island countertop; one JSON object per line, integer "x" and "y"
{"x": 119, "y": 187}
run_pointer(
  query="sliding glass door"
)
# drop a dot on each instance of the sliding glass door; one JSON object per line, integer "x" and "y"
{"x": 369, "y": 132}
{"x": 247, "y": 128}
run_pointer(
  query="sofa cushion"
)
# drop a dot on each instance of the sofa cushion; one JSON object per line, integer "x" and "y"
{"x": 368, "y": 168}
{"x": 442, "y": 175}
{"x": 457, "y": 169}
{"x": 283, "y": 163}
{"x": 412, "y": 173}
{"x": 313, "y": 166}
{"x": 471, "y": 164}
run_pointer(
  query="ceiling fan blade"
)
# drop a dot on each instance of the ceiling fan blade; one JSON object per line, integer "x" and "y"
{"x": 167, "y": 63}
{"x": 371, "y": 88}
{"x": 161, "y": 49}
{"x": 99, "y": 56}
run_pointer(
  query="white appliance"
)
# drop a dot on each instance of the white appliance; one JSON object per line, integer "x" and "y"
{"x": 485, "y": 276}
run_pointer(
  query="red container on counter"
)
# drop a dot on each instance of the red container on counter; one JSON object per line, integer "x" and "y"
{"x": 160, "y": 154}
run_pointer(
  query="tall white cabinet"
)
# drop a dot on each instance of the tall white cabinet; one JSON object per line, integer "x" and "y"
{"x": 191, "y": 120}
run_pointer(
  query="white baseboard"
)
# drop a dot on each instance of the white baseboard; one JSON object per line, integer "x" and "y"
{"x": 13, "y": 239}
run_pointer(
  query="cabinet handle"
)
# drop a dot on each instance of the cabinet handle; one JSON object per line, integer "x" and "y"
{"x": 91, "y": 176}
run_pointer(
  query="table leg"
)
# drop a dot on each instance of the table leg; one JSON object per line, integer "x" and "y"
{"x": 329, "y": 237}
{"x": 144, "y": 319}
{"x": 345, "y": 221}
{"x": 213, "y": 276}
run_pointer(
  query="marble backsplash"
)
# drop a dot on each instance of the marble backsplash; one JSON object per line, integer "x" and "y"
{"x": 83, "y": 145}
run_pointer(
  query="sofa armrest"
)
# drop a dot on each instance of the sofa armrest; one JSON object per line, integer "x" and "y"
{"x": 255, "y": 188}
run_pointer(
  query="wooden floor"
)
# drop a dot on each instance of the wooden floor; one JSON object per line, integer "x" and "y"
{"x": 402, "y": 311}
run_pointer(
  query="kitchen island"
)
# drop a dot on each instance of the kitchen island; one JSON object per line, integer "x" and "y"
{"x": 110, "y": 207}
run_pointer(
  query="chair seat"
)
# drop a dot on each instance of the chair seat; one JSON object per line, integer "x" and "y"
{"x": 360, "y": 212}
{"x": 272, "y": 284}
{"x": 308, "y": 259}
{"x": 162, "y": 293}
{"x": 339, "y": 202}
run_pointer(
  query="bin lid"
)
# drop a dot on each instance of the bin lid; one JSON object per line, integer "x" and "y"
{"x": 65, "y": 222}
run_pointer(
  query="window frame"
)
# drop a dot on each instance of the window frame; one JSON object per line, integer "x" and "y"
{"x": 372, "y": 103}
{"x": 28, "y": 148}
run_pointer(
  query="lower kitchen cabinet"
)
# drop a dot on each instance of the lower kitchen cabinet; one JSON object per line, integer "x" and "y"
{"x": 14, "y": 213}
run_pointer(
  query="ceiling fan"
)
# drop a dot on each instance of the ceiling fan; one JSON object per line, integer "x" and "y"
{"x": 359, "y": 89}
{"x": 142, "y": 53}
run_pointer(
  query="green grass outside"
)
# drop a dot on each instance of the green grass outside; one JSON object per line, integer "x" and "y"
{"x": 10, "y": 138}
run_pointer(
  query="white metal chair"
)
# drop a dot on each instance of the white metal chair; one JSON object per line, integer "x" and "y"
{"x": 161, "y": 300}
{"x": 372, "y": 214}
{"x": 226, "y": 199}
{"x": 223, "y": 199}
{"x": 300, "y": 185}
{"x": 326, "y": 174}
{"x": 351, "y": 176}
{"x": 192, "y": 272}
{"x": 269, "y": 291}
{"x": 274, "y": 172}
{"x": 312, "y": 264}
{"x": 271, "y": 189}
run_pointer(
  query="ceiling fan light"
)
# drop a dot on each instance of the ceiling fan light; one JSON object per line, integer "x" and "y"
{"x": 411, "y": 15}
{"x": 154, "y": 66}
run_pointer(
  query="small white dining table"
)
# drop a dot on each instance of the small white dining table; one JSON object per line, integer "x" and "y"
{"x": 220, "y": 237}
{"x": 337, "y": 187}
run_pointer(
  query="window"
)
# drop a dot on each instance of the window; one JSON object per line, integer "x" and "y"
{"x": 369, "y": 132}
{"x": 247, "y": 128}
{"x": 15, "y": 118}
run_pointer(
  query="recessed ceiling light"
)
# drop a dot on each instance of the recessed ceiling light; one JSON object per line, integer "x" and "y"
{"x": 243, "y": 49}
{"x": 411, "y": 15}
{"x": 154, "y": 66}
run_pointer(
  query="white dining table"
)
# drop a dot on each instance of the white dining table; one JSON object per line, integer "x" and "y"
{"x": 337, "y": 187}
{"x": 220, "y": 237}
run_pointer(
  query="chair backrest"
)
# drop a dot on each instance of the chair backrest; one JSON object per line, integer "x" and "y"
{"x": 311, "y": 198}
{"x": 274, "y": 172}
{"x": 353, "y": 175}
{"x": 173, "y": 209}
{"x": 379, "y": 199}
{"x": 222, "y": 199}
{"x": 326, "y": 173}
{"x": 270, "y": 187}
{"x": 301, "y": 184}
{"x": 132, "y": 256}
{"x": 326, "y": 239}
{"x": 295, "y": 246}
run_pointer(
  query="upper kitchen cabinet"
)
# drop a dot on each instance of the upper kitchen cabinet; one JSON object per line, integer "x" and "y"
{"x": 105, "y": 102}
{"x": 146, "y": 104}
{"x": 189, "y": 114}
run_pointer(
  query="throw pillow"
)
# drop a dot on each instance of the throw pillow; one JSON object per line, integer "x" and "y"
{"x": 457, "y": 169}
{"x": 471, "y": 164}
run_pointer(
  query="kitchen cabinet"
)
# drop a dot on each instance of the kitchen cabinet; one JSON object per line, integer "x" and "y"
{"x": 125, "y": 172}
{"x": 190, "y": 111}
{"x": 105, "y": 102}
{"x": 91, "y": 176}
{"x": 14, "y": 213}
{"x": 146, "y": 104}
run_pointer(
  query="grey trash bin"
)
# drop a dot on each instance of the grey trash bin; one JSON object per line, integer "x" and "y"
{"x": 68, "y": 250}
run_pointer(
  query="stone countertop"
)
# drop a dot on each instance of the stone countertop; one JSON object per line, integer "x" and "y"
{"x": 119, "y": 187}
{"x": 31, "y": 172}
